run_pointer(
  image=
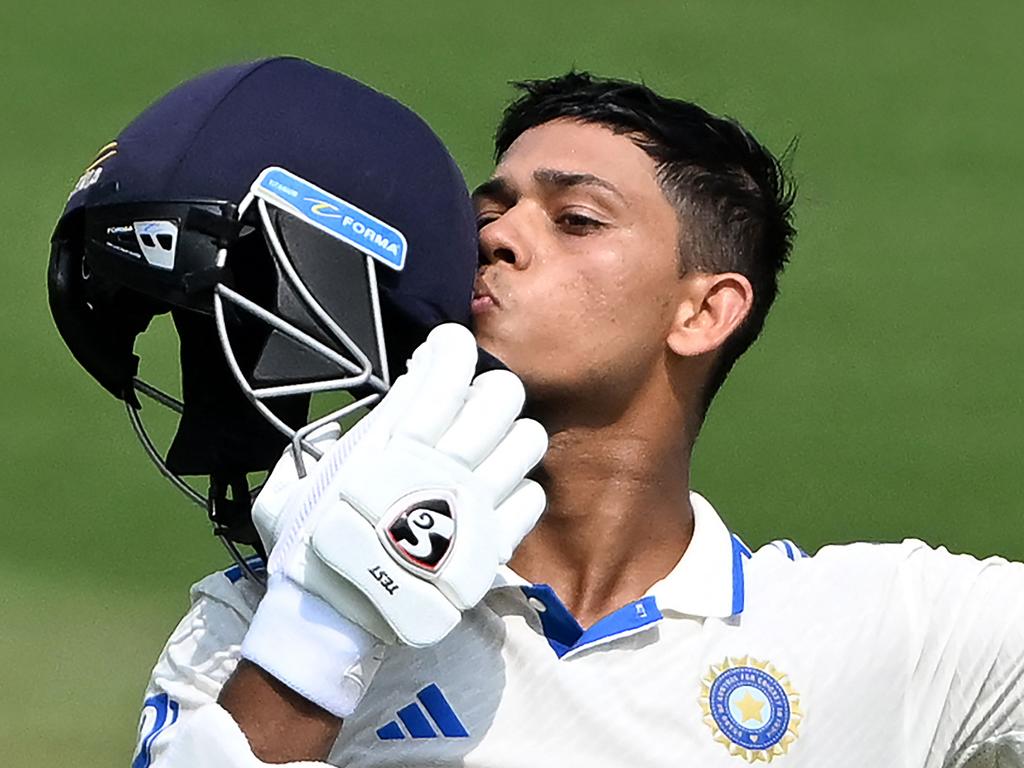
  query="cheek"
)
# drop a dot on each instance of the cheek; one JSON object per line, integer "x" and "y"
{"x": 606, "y": 319}
{"x": 628, "y": 297}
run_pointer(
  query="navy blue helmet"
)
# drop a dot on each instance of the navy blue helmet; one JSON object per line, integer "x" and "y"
{"x": 304, "y": 231}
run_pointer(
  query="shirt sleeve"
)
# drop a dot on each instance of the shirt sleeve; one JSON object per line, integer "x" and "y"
{"x": 196, "y": 661}
{"x": 966, "y": 621}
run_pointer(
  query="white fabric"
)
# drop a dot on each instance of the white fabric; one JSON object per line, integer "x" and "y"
{"x": 337, "y": 580}
{"x": 899, "y": 655}
{"x": 212, "y": 739}
{"x": 296, "y": 636}
{"x": 687, "y": 589}
{"x": 314, "y": 650}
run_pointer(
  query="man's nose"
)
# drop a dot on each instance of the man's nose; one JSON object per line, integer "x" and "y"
{"x": 502, "y": 241}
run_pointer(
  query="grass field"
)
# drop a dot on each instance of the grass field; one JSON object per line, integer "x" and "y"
{"x": 885, "y": 400}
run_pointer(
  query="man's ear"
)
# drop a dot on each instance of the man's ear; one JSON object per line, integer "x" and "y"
{"x": 711, "y": 307}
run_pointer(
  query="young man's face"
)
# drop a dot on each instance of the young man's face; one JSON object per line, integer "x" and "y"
{"x": 580, "y": 270}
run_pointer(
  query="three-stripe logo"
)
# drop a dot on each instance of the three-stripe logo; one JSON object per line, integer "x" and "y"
{"x": 418, "y": 725}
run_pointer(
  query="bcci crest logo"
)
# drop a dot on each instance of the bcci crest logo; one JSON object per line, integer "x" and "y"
{"x": 420, "y": 530}
{"x": 751, "y": 708}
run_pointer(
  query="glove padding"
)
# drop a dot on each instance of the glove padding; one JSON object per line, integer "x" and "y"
{"x": 405, "y": 520}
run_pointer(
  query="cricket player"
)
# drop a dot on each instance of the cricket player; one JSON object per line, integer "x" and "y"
{"x": 419, "y": 610}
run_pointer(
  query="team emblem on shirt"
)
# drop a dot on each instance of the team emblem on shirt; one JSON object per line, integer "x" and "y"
{"x": 751, "y": 708}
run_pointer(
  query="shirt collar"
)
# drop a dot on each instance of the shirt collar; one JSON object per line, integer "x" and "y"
{"x": 708, "y": 579}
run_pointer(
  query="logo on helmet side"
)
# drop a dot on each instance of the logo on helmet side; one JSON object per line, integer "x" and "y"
{"x": 86, "y": 180}
{"x": 419, "y": 530}
{"x": 158, "y": 241}
{"x": 94, "y": 170}
{"x": 332, "y": 215}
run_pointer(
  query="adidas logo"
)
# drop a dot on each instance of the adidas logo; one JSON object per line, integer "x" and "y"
{"x": 418, "y": 726}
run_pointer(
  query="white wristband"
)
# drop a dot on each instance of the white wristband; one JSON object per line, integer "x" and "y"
{"x": 310, "y": 647}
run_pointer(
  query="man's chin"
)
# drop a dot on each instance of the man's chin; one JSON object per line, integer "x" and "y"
{"x": 489, "y": 336}
{"x": 512, "y": 346}
{"x": 494, "y": 356}
{"x": 498, "y": 354}
{"x": 490, "y": 362}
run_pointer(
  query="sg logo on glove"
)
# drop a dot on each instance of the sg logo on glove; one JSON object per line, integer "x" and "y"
{"x": 419, "y": 530}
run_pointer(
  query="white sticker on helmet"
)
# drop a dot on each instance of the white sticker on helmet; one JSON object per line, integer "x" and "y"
{"x": 158, "y": 241}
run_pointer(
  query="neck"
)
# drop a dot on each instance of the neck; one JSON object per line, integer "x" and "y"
{"x": 618, "y": 517}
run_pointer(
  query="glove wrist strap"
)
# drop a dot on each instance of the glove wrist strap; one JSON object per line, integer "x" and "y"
{"x": 307, "y": 645}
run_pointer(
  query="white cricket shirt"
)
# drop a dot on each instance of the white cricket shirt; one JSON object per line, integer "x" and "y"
{"x": 862, "y": 655}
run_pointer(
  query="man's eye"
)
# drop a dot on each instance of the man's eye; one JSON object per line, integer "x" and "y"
{"x": 577, "y": 222}
{"x": 484, "y": 219}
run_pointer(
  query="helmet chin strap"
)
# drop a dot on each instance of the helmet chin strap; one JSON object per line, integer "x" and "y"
{"x": 223, "y": 512}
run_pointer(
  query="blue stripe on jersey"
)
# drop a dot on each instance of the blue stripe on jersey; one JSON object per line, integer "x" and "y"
{"x": 390, "y": 732}
{"x": 416, "y": 722}
{"x": 739, "y": 551}
{"x": 165, "y": 714}
{"x": 439, "y": 709}
{"x": 235, "y": 573}
{"x": 789, "y": 549}
{"x": 797, "y": 552}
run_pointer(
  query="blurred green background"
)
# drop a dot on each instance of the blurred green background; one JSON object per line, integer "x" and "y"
{"x": 883, "y": 402}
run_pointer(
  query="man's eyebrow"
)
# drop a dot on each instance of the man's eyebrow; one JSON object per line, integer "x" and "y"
{"x": 566, "y": 179}
{"x": 498, "y": 189}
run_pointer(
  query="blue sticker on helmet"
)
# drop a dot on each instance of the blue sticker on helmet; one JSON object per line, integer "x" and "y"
{"x": 332, "y": 215}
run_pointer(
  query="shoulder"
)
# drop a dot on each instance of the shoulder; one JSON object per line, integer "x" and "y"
{"x": 910, "y": 570}
{"x": 232, "y": 588}
{"x": 204, "y": 647}
{"x": 909, "y": 553}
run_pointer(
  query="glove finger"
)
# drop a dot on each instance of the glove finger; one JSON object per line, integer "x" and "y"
{"x": 383, "y": 419}
{"x": 494, "y": 400}
{"x": 440, "y": 371}
{"x": 517, "y": 516}
{"x": 519, "y": 452}
{"x": 401, "y": 399}
{"x": 379, "y": 422}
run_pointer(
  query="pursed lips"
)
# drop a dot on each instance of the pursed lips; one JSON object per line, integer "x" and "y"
{"x": 483, "y": 295}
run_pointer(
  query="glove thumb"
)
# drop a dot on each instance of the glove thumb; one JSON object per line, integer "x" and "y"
{"x": 281, "y": 484}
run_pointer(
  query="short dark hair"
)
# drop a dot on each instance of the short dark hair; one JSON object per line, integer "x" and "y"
{"x": 729, "y": 191}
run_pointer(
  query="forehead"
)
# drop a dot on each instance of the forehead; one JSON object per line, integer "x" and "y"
{"x": 574, "y": 147}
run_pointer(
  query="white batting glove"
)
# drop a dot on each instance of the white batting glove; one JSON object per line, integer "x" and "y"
{"x": 402, "y": 524}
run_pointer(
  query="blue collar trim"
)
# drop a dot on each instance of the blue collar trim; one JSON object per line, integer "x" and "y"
{"x": 739, "y": 551}
{"x": 564, "y": 633}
